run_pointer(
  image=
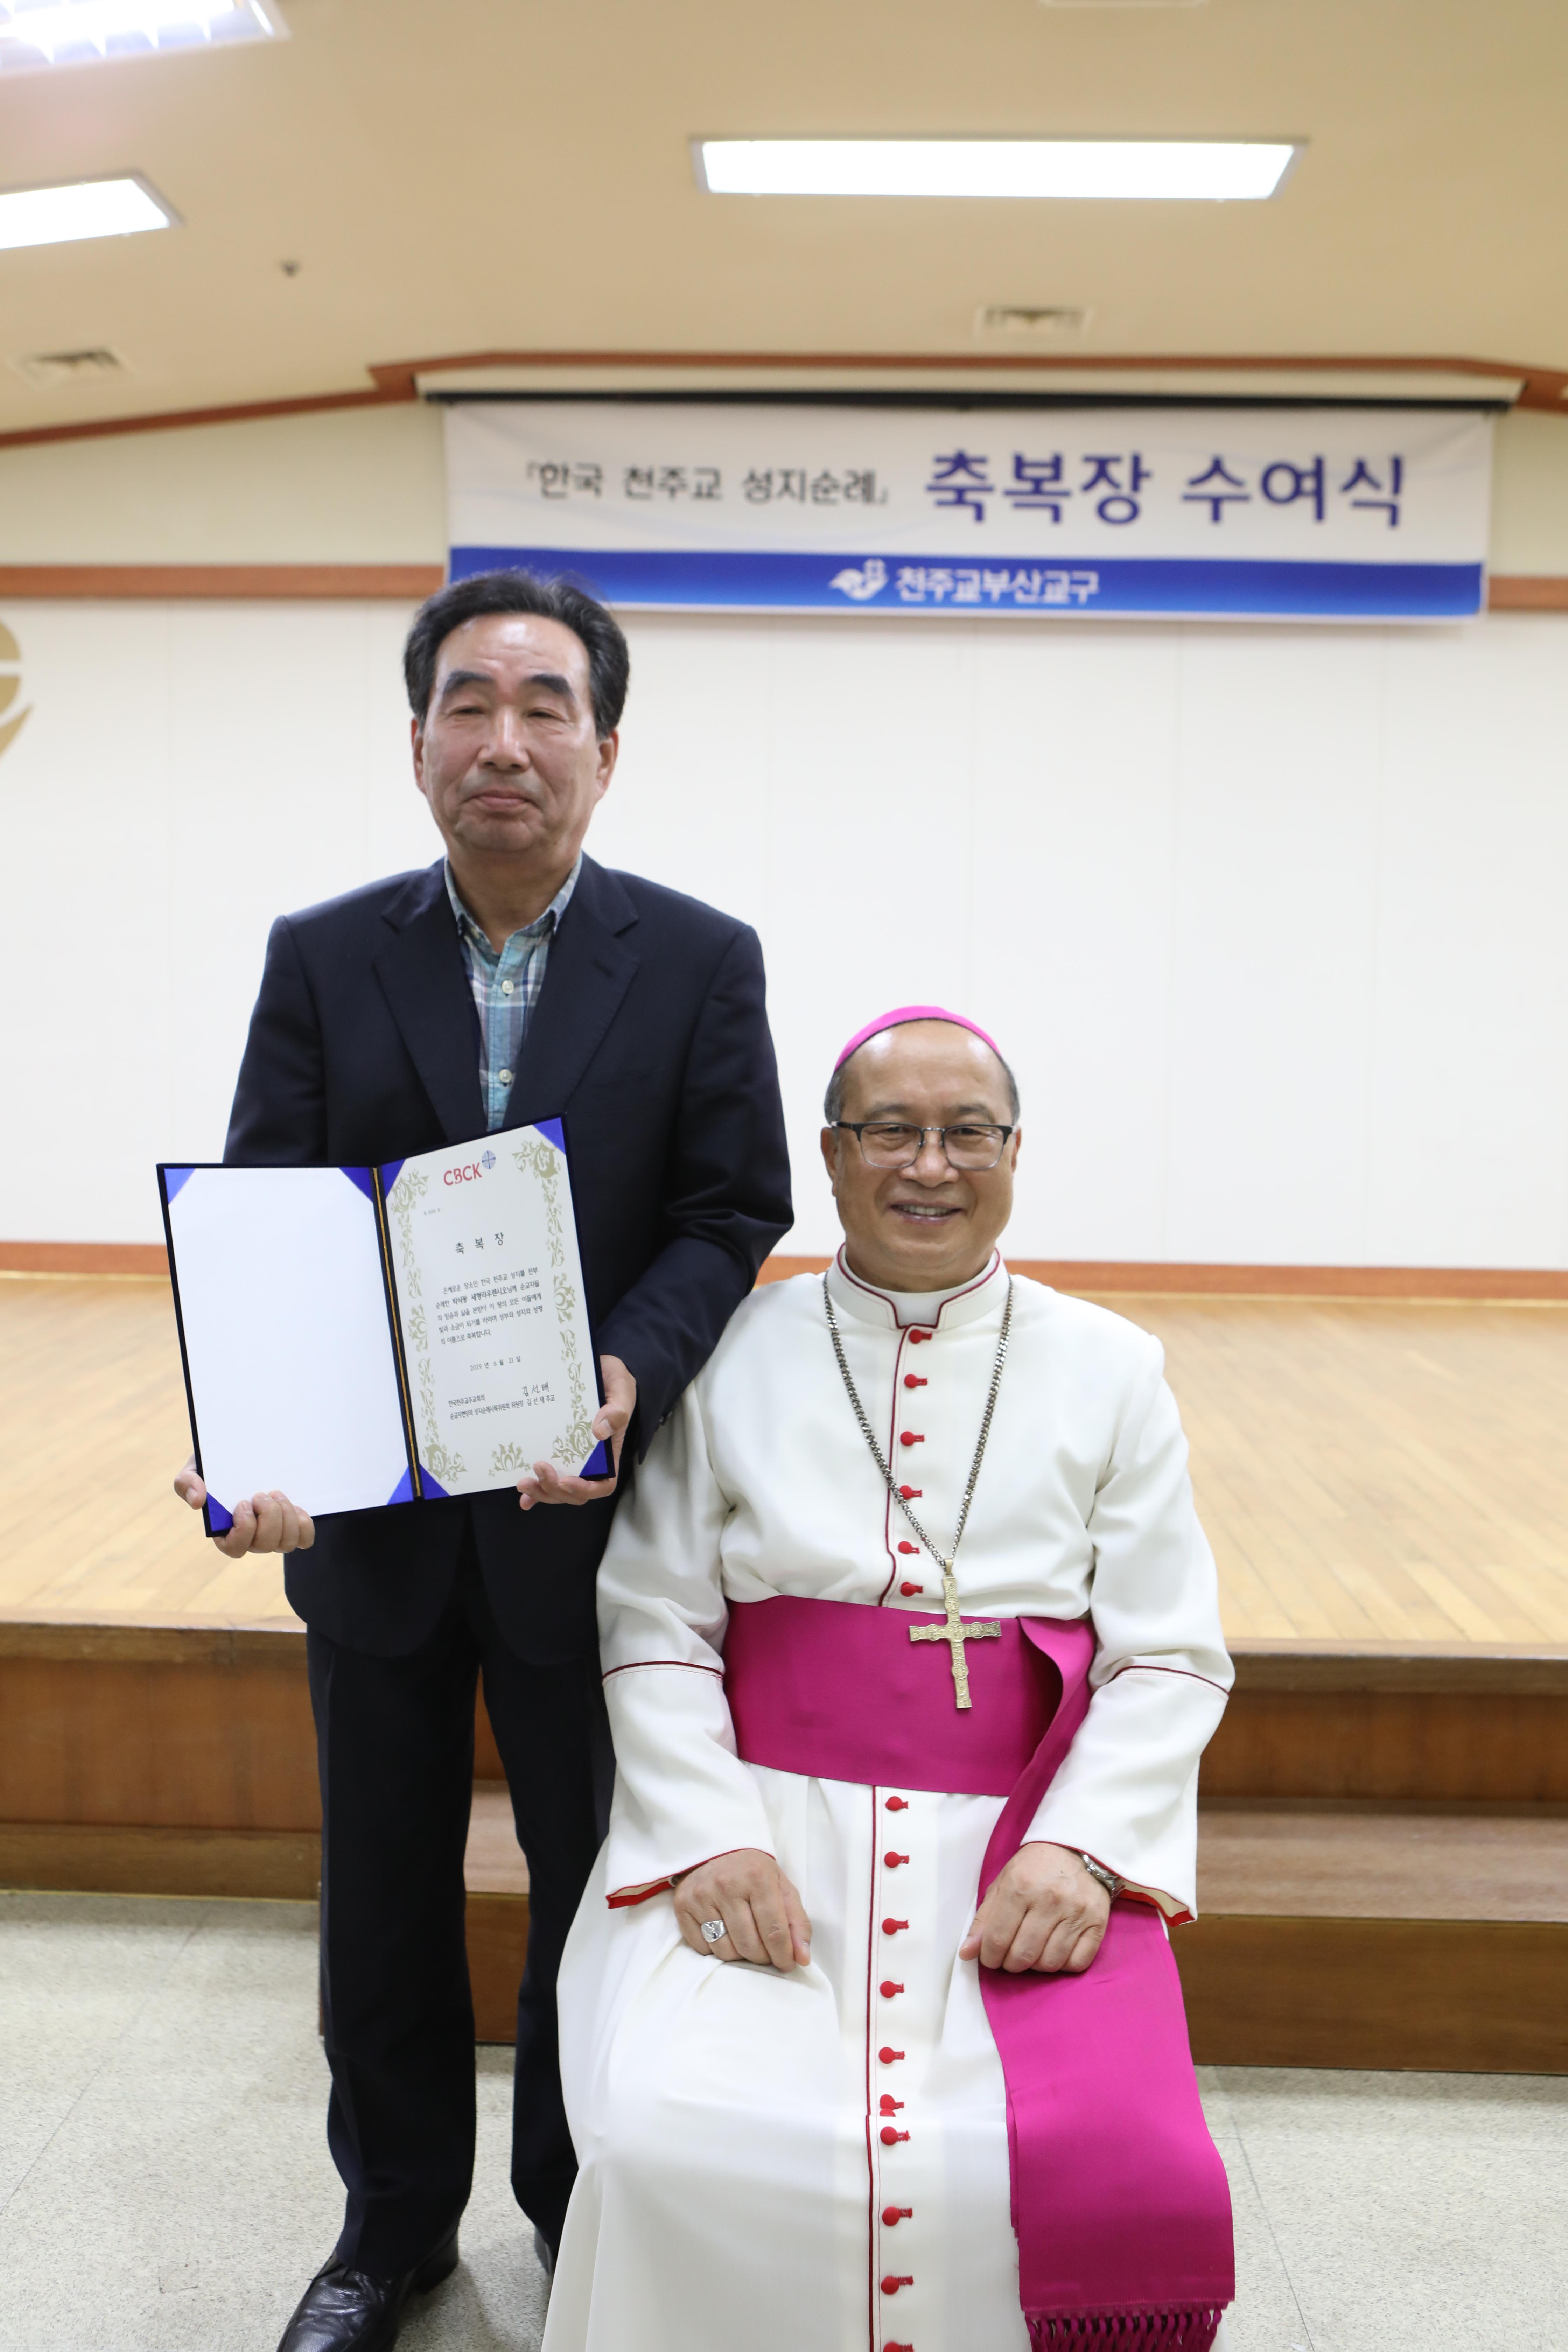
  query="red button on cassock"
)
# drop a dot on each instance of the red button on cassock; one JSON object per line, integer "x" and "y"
{"x": 909, "y": 1438}
{"x": 888, "y": 2135}
{"x": 891, "y": 1927}
{"x": 915, "y": 1380}
{"x": 888, "y": 1989}
{"x": 892, "y": 1861}
{"x": 898, "y": 2347}
{"x": 887, "y": 2104}
{"x": 909, "y": 1590}
{"x": 908, "y": 1547}
{"x": 912, "y": 1493}
{"x": 888, "y": 2055}
{"x": 890, "y": 2284}
{"x": 898, "y": 1804}
{"x": 916, "y": 1336}
{"x": 893, "y": 2214}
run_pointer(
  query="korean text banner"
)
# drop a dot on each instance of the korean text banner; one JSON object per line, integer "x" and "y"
{"x": 1280, "y": 514}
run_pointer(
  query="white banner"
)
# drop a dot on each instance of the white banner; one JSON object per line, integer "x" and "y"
{"x": 1229, "y": 513}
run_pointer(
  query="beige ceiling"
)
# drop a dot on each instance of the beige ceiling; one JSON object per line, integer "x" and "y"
{"x": 457, "y": 176}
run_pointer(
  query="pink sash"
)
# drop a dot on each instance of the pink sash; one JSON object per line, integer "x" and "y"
{"x": 1120, "y": 2200}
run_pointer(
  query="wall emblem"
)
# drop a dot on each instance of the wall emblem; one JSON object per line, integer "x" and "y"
{"x": 10, "y": 687}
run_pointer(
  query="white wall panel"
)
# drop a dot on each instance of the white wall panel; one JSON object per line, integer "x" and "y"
{"x": 1468, "y": 1137}
{"x": 1075, "y": 816}
{"x": 187, "y": 772}
{"x": 1271, "y": 920}
{"x": 1276, "y": 874}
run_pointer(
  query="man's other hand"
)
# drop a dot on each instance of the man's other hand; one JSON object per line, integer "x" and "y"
{"x": 549, "y": 1485}
{"x": 1043, "y": 1912}
{"x": 763, "y": 1916}
{"x": 264, "y": 1523}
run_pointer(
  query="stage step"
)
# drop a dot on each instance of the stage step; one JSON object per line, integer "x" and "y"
{"x": 1410, "y": 1935}
{"x": 1330, "y": 1935}
{"x": 497, "y": 1878}
{"x": 1383, "y": 1868}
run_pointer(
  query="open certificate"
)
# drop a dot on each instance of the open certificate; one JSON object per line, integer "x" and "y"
{"x": 364, "y": 1336}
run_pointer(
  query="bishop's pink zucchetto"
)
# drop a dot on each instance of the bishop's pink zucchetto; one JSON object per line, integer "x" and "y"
{"x": 915, "y": 1013}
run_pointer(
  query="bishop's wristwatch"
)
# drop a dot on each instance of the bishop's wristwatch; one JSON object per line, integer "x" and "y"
{"x": 1108, "y": 1878}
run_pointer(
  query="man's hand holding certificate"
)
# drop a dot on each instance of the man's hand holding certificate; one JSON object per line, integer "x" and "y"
{"x": 428, "y": 1337}
{"x": 550, "y": 1485}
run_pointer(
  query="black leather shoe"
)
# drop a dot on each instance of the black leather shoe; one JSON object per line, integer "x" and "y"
{"x": 346, "y": 2310}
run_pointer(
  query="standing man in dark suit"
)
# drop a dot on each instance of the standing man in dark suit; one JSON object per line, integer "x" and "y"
{"x": 512, "y": 981}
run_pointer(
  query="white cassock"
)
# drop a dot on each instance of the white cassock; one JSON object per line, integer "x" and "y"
{"x": 730, "y": 2190}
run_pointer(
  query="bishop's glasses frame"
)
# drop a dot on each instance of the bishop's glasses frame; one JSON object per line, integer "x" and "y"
{"x": 860, "y": 1128}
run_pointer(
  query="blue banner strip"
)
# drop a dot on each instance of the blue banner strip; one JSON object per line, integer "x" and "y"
{"x": 700, "y": 579}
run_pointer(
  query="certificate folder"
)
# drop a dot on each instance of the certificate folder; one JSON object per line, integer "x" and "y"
{"x": 359, "y": 1337}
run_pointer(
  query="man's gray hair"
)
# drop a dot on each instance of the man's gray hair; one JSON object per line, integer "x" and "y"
{"x": 833, "y": 1100}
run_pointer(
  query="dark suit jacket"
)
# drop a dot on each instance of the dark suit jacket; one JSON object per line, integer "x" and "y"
{"x": 651, "y": 1035}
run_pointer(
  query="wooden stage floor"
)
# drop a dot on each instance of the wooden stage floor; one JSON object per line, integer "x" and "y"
{"x": 1370, "y": 1472}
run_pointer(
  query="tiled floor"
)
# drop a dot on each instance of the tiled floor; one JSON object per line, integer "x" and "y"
{"x": 165, "y": 2181}
{"x": 165, "y": 2184}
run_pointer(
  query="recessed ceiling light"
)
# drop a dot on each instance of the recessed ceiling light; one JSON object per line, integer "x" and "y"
{"x": 52, "y": 368}
{"x": 1030, "y": 319}
{"x": 121, "y": 207}
{"x": 37, "y": 34}
{"x": 1219, "y": 170}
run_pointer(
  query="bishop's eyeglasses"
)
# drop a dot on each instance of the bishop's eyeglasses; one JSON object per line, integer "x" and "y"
{"x": 892, "y": 1143}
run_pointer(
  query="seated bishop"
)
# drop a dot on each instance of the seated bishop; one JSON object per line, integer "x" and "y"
{"x": 871, "y": 2035}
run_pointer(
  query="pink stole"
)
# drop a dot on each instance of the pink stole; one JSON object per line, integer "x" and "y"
{"x": 1120, "y": 2200}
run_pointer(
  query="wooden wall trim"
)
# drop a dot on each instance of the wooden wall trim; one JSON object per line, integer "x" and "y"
{"x": 1097, "y": 1275}
{"x": 1507, "y": 592}
{"x": 404, "y": 582}
{"x": 84, "y": 1258}
{"x": 1150, "y": 1277}
{"x": 1526, "y": 592}
{"x": 398, "y": 380}
{"x": 1406, "y": 1282}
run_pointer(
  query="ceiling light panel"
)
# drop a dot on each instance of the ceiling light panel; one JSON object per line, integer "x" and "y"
{"x": 121, "y": 207}
{"x": 1211, "y": 170}
{"x": 36, "y": 34}
{"x": 54, "y": 368}
{"x": 1037, "y": 318}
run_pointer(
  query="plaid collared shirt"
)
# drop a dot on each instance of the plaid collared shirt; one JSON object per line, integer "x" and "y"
{"x": 506, "y": 984}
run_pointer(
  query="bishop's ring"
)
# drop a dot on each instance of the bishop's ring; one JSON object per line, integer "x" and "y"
{"x": 715, "y": 1930}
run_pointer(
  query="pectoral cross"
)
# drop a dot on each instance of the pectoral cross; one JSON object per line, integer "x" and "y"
{"x": 955, "y": 1633}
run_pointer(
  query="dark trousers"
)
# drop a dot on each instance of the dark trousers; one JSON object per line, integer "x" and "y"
{"x": 394, "y": 1741}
